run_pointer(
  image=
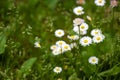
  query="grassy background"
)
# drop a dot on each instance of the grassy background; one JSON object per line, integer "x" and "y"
{"x": 23, "y": 20}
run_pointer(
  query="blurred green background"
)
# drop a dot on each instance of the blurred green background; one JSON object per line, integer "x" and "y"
{"x": 23, "y": 20}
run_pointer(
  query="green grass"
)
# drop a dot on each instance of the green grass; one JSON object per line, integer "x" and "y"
{"x": 21, "y": 21}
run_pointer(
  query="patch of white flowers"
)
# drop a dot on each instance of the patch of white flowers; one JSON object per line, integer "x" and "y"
{"x": 80, "y": 29}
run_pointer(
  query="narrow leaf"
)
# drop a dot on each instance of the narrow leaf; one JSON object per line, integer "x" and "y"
{"x": 2, "y": 43}
{"x": 113, "y": 71}
{"x": 27, "y": 65}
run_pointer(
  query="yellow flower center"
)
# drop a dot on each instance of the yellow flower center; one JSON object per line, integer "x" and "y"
{"x": 79, "y": 11}
{"x": 96, "y": 32}
{"x": 100, "y": 1}
{"x": 66, "y": 47}
{"x": 54, "y": 47}
{"x": 93, "y": 60}
{"x": 85, "y": 41}
{"x": 60, "y": 43}
{"x": 57, "y": 69}
{"x": 98, "y": 38}
{"x": 59, "y": 32}
{"x": 72, "y": 37}
{"x": 82, "y": 27}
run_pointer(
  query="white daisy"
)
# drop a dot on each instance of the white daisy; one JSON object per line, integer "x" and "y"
{"x": 100, "y": 2}
{"x": 95, "y": 32}
{"x": 53, "y": 47}
{"x": 77, "y": 30}
{"x": 66, "y": 47}
{"x": 83, "y": 27}
{"x": 59, "y": 33}
{"x": 98, "y": 38}
{"x": 37, "y": 45}
{"x": 78, "y": 10}
{"x": 60, "y": 43}
{"x": 59, "y": 79}
{"x": 93, "y": 60}
{"x": 73, "y": 37}
{"x": 83, "y": 32}
{"x": 57, "y": 70}
{"x": 57, "y": 51}
{"x": 78, "y": 21}
{"x": 85, "y": 41}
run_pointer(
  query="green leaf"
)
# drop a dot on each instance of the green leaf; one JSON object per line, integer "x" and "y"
{"x": 27, "y": 65}
{"x": 73, "y": 77}
{"x": 2, "y": 43}
{"x": 113, "y": 71}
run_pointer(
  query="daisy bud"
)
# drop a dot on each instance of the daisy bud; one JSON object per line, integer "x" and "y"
{"x": 113, "y": 3}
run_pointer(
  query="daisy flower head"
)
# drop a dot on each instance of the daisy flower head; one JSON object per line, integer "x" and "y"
{"x": 78, "y": 21}
{"x": 77, "y": 30}
{"x": 59, "y": 79}
{"x": 93, "y": 60}
{"x": 100, "y": 2}
{"x": 60, "y": 43}
{"x": 78, "y": 10}
{"x": 57, "y": 51}
{"x": 113, "y": 3}
{"x": 37, "y": 45}
{"x": 53, "y": 47}
{"x": 89, "y": 18}
{"x": 85, "y": 41}
{"x": 66, "y": 47}
{"x": 59, "y": 33}
{"x": 73, "y": 37}
{"x": 57, "y": 70}
{"x": 98, "y": 38}
{"x": 95, "y": 32}
{"x": 83, "y": 27}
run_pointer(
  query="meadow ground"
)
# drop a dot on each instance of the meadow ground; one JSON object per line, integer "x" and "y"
{"x": 59, "y": 40}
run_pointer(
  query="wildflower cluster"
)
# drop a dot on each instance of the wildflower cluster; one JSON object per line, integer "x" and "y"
{"x": 80, "y": 27}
